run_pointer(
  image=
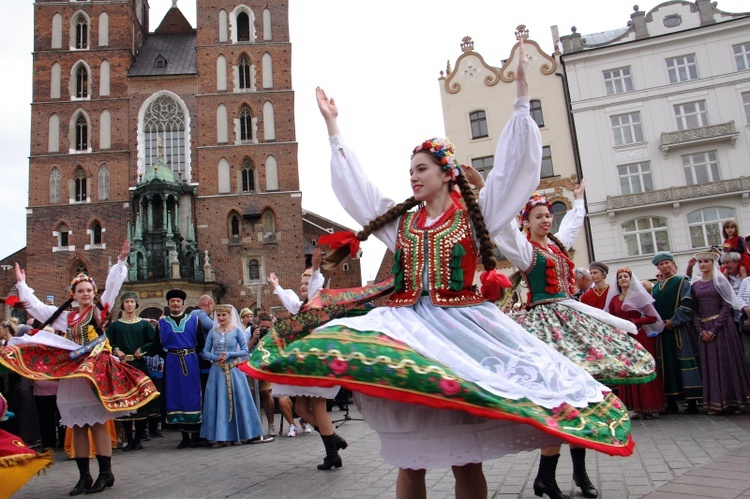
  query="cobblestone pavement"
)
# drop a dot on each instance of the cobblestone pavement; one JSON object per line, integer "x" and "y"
{"x": 697, "y": 455}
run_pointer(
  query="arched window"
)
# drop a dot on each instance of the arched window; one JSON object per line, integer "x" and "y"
{"x": 253, "y": 269}
{"x": 269, "y": 227}
{"x": 56, "y": 31}
{"x": 243, "y": 27}
{"x": 246, "y": 122}
{"x": 558, "y": 210}
{"x": 55, "y": 182}
{"x": 82, "y": 32}
{"x": 248, "y": 176}
{"x": 103, "y": 182}
{"x": 267, "y": 26}
{"x": 53, "y": 134}
{"x": 267, "y": 70}
{"x": 225, "y": 184}
{"x": 705, "y": 226}
{"x": 96, "y": 234}
{"x": 164, "y": 119}
{"x": 269, "y": 122}
{"x": 54, "y": 84}
{"x": 234, "y": 226}
{"x": 272, "y": 174}
{"x": 223, "y": 25}
{"x": 82, "y": 133}
{"x": 244, "y": 72}
{"x": 103, "y": 29}
{"x": 82, "y": 82}
{"x": 104, "y": 78}
{"x": 80, "y": 186}
{"x": 222, "y": 132}
{"x": 646, "y": 236}
{"x": 221, "y": 73}
{"x": 105, "y": 130}
{"x": 80, "y": 269}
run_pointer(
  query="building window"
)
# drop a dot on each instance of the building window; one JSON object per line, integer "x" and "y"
{"x": 243, "y": 27}
{"x": 558, "y": 210}
{"x": 646, "y": 236}
{"x": 55, "y": 181}
{"x": 82, "y": 32}
{"x": 96, "y": 234}
{"x": 80, "y": 186}
{"x": 248, "y": 176}
{"x": 82, "y": 82}
{"x": 691, "y": 115}
{"x": 536, "y": 113}
{"x": 63, "y": 236}
{"x": 269, "y": 227}
{"x": 742, "y": 55}
{"x": 701, "y": 168}
{"x": 682, "y": 68}
{"x": 635, "y": 178}
{"x": 82, "y": 134}
{"x": 103, "y": 182}
{"x": 80, "y": 269}
{"x": 746, "y": 105}
{"x": 244, "y": 69}
{"x": 483, "y": 165}
{"x": 234, "y": 226}
{"x": 246, "y": 121}
{"x": 627, "y": 128}
{"x": 705, "y": 226}
{"x": 478, "y": 121}
{"x": 547, "y": 170}
{"x": 253, "y": 269}
{"x": 164, "y": 131}
{"x": 618, "y": 81}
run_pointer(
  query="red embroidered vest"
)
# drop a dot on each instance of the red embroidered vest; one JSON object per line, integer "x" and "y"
{"x": 447, "y": 249}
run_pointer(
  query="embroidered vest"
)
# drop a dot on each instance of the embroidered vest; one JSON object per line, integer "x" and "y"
{"x": 448, "y": 251}
{"x": 549, "y": 277}
{"x": 81, "y": 329}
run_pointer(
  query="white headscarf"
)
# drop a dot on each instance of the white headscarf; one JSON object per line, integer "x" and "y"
{"x": 720, "y": 282}
{"x": 235, "y": 320}
{"x": 636, "y": 298}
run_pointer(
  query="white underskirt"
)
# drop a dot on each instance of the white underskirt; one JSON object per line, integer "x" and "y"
{"x": 79, "y": 405}
{"x": 304, "y": 391}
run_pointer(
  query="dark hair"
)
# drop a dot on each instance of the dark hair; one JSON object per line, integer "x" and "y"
{"x": 265, "y": 317}
{"x": 729, "y": 223}
{"x": 333, "y": 258}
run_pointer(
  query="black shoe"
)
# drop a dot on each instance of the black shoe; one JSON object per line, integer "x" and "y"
{"x": 156, "y": 434}
{"x": 692, "y": 407}
{"x": 330, "y": 462}
{"x": 126, "y": 448}
{"x": 332, "y": 459}
{"x": 137, "y": 446}
{"x": 580, "y": 476}
{"x": 104, "y": 480}
{"x": 83, "y": 483}
{"x": 545, "y": 482}
{"x": 340, "y": 442}
{"x": 183, "y": 444}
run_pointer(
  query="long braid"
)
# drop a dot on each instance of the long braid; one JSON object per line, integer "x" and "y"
{"x": 335, "y": 257}
{"x": 480, "y": 228}
{"x": 56, "y": 314}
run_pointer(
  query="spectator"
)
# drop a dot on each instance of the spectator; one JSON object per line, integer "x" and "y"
{"x": 583, "y": 281}
{"x": 597, "y": 296}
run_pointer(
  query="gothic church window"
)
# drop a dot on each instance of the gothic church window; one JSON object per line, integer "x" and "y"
{"x": 248, "y": 180}
{"x": 81, "y": 32}
{"x": 244, "y": 72}
{"x": 243, "y": 27}
{"x": 246, "y": 121}
{"x": 80, "y": 186}
{"x": 82, "y": 82}
{"x": 55, "y": 181}
{"x": 81, "y": 133}
{"x": 164, "y": 119}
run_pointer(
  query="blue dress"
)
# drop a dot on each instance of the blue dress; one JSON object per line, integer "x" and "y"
{"x": 229, "y": 414}
{"x": 182, "y": 378}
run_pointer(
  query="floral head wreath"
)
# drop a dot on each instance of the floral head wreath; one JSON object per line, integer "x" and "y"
{"x": 79, "y": 279}
{"x": 444, "y": 152}
{"x": 536, "y": 199}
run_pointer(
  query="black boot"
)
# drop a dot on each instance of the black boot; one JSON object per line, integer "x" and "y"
{"x": 105, "y": 478}
{"x": 185, "y": 440}
{"x": 340, "y": 442}
{"x": 545, "y": 482}
{"x": 140, "y": 428}
{"x": 127, "y": 428}
{"x": 332, "y": 459}
{"x": 85, "y": 480}
{"x": 580, "y": 477}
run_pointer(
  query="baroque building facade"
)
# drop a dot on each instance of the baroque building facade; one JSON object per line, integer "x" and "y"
{"x": 662, "y": 113}
{"x": 181, "y": 140}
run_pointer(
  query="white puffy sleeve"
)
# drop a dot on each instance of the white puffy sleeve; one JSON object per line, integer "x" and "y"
{"x": 115, "y": 278}
{"x": 39, "y": 310}
{"x": 360, "y": 198}
{"x": 514, "y": 246}
{"x": 289, "y": 299}
{"x": 317, "y": 281}
{"x": 571, "y": 224}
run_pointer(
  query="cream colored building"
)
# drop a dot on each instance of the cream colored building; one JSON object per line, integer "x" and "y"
{"x": 662, "y": 113}
{"x": 478, "y": 101}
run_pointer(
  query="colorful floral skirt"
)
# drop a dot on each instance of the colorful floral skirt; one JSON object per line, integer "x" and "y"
{"x": 424, "y": 373}
{"x": 610, "y": 355}
{"x": 119, "y": 387}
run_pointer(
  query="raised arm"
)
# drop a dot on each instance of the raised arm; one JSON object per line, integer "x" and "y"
{"x": 572, "y": 222}
{"x": 34, "y": 306}
{"x": 116, "y": 276}
{"x": 357, "y": 195}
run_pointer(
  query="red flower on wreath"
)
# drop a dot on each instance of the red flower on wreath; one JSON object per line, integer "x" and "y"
{"x": 339, "y": 366}
{"x": 449, "y": 386}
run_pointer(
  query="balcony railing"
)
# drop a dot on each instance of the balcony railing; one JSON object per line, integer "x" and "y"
{"x": 676, "y": 194}
{"x": 693, "y": 136}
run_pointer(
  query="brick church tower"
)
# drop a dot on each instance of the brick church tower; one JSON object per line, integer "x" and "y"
{"x": 113, "y": 102}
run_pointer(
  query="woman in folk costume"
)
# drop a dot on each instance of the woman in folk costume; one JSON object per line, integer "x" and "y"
{"x": 443, "y": 376}
{"x": 592, "y": 338}
{"x": 94, "y": 385}
{"x": 629, "y": 300}
{"x": 726, "y": 386}
{"x": 229, "y": 414}
{"x": 310, "y": 401}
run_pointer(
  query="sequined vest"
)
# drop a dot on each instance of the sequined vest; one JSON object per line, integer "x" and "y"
{"x": 448, "y": 251}
{"x": 549, "y": 277}
{"x": 81, "y": 330}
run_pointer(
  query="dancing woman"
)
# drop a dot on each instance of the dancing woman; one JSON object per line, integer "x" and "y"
{"x": 81, "y": 359}
{"x": 590, "y": 337}
{"x": 629, "y": 300}
{"x": 443, "y": 376}
{"x": 310, "y": 401}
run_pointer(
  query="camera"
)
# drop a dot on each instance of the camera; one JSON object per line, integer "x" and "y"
{"x": 262, "y": 331}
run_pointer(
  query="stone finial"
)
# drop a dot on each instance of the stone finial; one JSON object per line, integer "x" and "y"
{"x": 522, "y": 32}
{"x": 158, "y": 147}
{"x": 206, "y": 259}
{"x": 573, "y": 29}
{"x": 448, "y": 67}
{"x": 635, "y": 8}
{"x": 467, "y": 44}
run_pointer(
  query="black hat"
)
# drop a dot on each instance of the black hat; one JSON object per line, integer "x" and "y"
{"x": 176, "y": 293}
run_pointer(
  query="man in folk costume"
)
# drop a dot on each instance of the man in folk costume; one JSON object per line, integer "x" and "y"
{"x": 131, "y": 338}
{"x": 180, "y": 337}
{"x": 676, "y": 358}
{"x": 597, "y": 296}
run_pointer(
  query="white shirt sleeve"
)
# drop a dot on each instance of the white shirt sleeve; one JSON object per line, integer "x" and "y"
{"x": 317, "y": 281}
{"x": 357, "y": 195}
{"x": 115, "y": 278}
{"x": 514, "y": 246}
{"x": 571, "y": 224}
{"x": 516, "y": 170}
{"x": 39, "y": 310}
{"x": 289, "y": 299}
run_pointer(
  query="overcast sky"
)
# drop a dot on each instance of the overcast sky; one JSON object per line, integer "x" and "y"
{"x": 379, "y": 60}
